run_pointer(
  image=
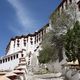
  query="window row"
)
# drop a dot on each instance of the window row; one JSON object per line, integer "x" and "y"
{"x": 9, "y": 58}
{"x": 18, "y": 42}
{"x": 79, "y": 5}
{"x": 64, "y": 5}
{"x": 38, "y": 37}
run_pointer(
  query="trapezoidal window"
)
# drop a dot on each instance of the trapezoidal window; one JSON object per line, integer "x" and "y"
{"x": 24, "y": 42}
{"x": 11, "y": 57}
{"x": 3, "y": 60}
{"x": 8, "y": 58}
{"x": 0, "y": 61}
{"x": 35, "y": 40}
{"x": 31, "y": 42}
{"x": 18, "y": 43}
{"x": 14, "y": 44}
{"x": 16, "y": 55}
{"x": 22, "y": 55}
{"x": 70, "y": 1}
{"x": 79, "y": 6}
{"x": 66, "y": 4}
{"x": 31, "y": 38}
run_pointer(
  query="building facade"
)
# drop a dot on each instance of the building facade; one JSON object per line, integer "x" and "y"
{"x": 22, "y": 46}
{"x": 27, "y": 45}
{"x": 23, "y": 50}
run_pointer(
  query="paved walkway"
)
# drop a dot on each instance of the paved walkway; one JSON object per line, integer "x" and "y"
{"x": 50, "y": 76}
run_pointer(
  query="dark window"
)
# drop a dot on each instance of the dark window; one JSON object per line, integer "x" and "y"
{"x": 42, "y": 35}
{"x": 31, "y": 42}
{"x": 42, "y": 32}
{"x": 18, "y": 40}
{"x": 3, "y": 60}
{"x": 22, "y": 55}
{"x": 0, "y": 61}
{"x": 31, "y": 38}
{"x": 70, "y": 1}
{"x": 62, "y": 7}
{"x": 39, "y": 34}
{"x": 29, "y": 54}
{"x": 14, "y": 44}
{"x": 37, "y": 47}
{"x": 27, "y": 39}
{"x": 11, "y": 57}
{"x": 35, "y": 40}
{"x": 35, "y": 50}
{"x": 16, "y": 55}
{"x": 39, "y": 38}
{"x": 24, "y": 42}
{"x": 18, "y": 43}
{"x": 39, "y": 43}
{"x": 8, "y": 58}
{"x": 79, "y": 6}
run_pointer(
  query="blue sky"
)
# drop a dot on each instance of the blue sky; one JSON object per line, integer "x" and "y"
{"x": 19, "y": 17}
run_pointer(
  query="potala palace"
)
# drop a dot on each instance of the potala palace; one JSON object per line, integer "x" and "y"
{"x": 22, "y": 51}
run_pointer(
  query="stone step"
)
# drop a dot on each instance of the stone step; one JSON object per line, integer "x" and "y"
{"x": 22, "y": 64}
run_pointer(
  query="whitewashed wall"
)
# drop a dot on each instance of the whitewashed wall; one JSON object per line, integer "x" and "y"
{"x": 11, "y": 64}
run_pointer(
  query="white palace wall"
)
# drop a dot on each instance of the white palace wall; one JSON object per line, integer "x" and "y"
{"x": 10, "y": 64}
{"x": 30, "y": 44}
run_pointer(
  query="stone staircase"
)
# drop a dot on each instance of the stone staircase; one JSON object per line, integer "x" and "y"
{"x": 22, "y": 67}
{"x": 20, "y": 71}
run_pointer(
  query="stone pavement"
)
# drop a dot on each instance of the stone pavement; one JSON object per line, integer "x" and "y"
{"x": 50, "y": 76}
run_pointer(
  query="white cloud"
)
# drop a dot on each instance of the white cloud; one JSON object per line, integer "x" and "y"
{"x": 22, "y": 15}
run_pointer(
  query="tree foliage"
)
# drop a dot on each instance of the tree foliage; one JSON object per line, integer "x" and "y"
{"x": 52, "y": 46}
{"x": 60, "y": 24}
{"x": 72, "y": 43}
{"x": 47, "y": 53}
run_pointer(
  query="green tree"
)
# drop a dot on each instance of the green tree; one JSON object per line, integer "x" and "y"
{"x": 72, "y": 43}
{"x": 47, "y": 53}
{"x": 60, "y": 23}
{"x": 52, "y": 46}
